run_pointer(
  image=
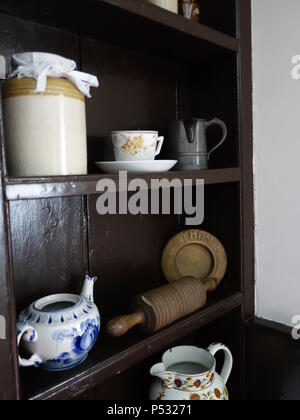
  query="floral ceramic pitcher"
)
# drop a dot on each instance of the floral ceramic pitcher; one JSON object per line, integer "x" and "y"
{"x": 189, "y": 373}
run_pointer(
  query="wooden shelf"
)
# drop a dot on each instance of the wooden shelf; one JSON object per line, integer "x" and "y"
{"x": 158, "y": 15}
{"x": 121, "y": 21}
{"x": 154, "y": 67}
{"x": 35, "y": 188}
{"x": 112, "y": 356}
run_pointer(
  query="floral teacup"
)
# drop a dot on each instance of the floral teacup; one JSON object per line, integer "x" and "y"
{"x": 136, "y": 145}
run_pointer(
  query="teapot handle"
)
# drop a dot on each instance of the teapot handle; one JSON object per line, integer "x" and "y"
{"x": 216, "y": 121}
{"x": 35, "y": 360}
{"x": 228, "y": 364}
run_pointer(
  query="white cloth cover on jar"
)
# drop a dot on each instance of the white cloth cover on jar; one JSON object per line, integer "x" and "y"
{"x": 39, "y": 66}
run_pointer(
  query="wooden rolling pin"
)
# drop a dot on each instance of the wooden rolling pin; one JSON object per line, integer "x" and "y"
{"x": 161, "y": 307}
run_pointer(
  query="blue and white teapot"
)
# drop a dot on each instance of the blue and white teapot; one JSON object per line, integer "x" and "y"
{"x": 59, "y": 330}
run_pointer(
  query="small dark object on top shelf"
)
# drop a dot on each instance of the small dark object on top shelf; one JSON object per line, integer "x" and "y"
{"x": 189, "y": 9}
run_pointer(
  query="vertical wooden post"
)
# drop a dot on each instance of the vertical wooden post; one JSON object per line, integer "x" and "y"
{"x": 244, "y": 31}
{"x": 9, "y": 384}
{"x": 246, "y": 155}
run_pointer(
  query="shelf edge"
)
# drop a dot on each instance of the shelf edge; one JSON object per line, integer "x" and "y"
{"x": 35, "y": 188}
{"x": 169, "y": 19}
{"x": 124, "y": 360}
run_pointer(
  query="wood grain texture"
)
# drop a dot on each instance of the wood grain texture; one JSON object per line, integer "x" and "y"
{"x": 225, "y": 330}
{"x": 138, "y": 91}
{"x": 111, "y": 356}
{"x": 158, "y": 29}
{"x": 9, "y": 383}
{"x": 48, "y": 248}
{"x": 121, "y": 325}
{"x": 276, "y": 354}
{"x": 222, "y": 219}
{"x": 17, "y": 35}
{"x": 125, "y": 253}
{"x": 210, "y": 91}
{"x": 33, "y": 188}
{"x": 246, "y": 157}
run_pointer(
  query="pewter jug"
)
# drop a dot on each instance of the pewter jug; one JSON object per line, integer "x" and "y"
{"x": 188, "y": 143}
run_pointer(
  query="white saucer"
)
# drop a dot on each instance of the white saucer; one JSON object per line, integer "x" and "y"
{"x": 146, "y": 166}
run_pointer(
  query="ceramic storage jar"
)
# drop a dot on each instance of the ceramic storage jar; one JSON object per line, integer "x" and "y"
{"x": 45, "y": 132}
{"x": 171, "y": 5}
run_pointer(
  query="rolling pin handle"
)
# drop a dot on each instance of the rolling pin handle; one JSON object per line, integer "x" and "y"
{"x": 210, "y": 284}
{"x": 121, "y": 325}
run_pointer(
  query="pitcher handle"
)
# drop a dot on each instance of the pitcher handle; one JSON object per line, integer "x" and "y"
{"x": 228, "y": 364}
{"x": 160, "y": 142}
{"x": 219, "y": 122}
{"x": 35, "y": 360}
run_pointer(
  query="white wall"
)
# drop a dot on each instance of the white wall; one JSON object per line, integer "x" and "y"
{"x": 276, "y": 39}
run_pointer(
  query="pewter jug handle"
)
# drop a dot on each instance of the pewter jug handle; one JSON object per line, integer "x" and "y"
{"x": 228, "y": 363}
{"x": 216, "y": 121}
{"x": 35, "y": 360}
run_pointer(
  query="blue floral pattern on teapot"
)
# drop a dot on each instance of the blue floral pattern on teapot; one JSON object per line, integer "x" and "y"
{"x": 60, "y": 337}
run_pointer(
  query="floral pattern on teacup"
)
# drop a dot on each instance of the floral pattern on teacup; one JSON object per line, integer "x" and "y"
{"x": 135, "y": 144}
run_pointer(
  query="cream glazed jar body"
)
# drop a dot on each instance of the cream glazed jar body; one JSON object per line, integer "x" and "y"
{"x": 45, "y": 132}
{"x": 171, "y": 5}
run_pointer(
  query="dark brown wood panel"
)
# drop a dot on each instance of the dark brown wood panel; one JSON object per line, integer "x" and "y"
{"x": 137, "y": 91}
{"x": 246, "y": 156}
{"x": 222, "y": 219}
{"x": 273, "y": 357}
{"x": 158, "y": 30}
{"x": 86, "y": 396}
{"x": 48, "y": 247}
{"x": 223, "y": 222}
{"x": 34, "y": 188}
{"x": 125, "y": 252}
{"x": 153, "y": 67}
{"x": 9, "y": 383}
{"x": 17, "y": 35}
{"x": 220, "y": 15}
{"x": 111, "y": 356}
{"x": 134, "y": 384}
{"x": 229, "y": 331}
{"x": 210, "y": 91}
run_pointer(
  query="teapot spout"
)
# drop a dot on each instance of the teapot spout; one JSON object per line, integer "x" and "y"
{"x": 88, "y": 288}
{"x": 159, "y": 371}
